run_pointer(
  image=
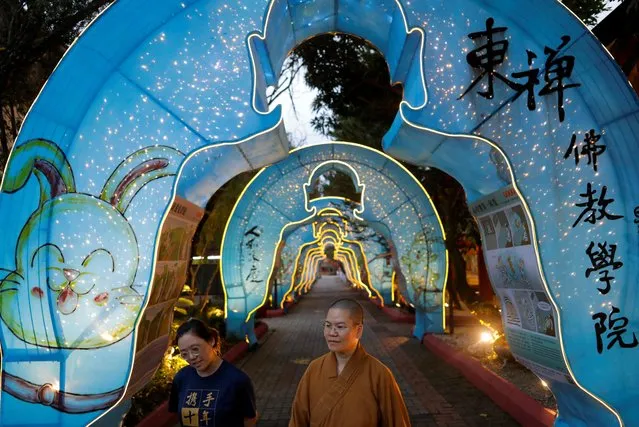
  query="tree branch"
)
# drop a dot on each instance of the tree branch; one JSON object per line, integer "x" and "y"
{"x": 67, "y": 26}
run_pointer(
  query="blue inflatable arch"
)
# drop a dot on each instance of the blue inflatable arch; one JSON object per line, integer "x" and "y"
{"x": 296, "y": 266}
{"x": 312, "y": 254}
{"x": 166, "y": 98}
{"x": 374, "y": 246}
{"x": 277, "y": 201}
{"x": 377, "y": 247}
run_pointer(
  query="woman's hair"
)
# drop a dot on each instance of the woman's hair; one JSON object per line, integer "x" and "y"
{"x": 200, "y": 330}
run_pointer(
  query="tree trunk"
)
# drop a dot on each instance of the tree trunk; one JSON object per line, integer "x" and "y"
{"x": 452, "y": 286}
{"x": 192, "y": 280}
{"x": 4, "y": 140}
{"x": 459, "y": 282}
{"x": 14, "y": 125}
{"x": 209, "y": 285}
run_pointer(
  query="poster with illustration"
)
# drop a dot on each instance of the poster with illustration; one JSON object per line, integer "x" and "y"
{"x": 520, "y": 231}
{"x": 530, "y": 319}
{"x": 502, "y": 230}
{"x": 174, "y": 253}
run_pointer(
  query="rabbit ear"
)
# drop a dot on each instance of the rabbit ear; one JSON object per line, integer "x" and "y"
{"x": 137, "y": 170}
{"x": 47, "y": 162}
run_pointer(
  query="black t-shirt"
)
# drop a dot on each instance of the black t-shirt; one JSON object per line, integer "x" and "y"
{"x": 222, "y": 399}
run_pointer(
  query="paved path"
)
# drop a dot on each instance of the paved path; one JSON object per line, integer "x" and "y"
{"x": 435, "y": 393}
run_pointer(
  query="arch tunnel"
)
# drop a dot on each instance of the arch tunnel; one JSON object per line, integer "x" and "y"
{"x": 144, "y": 108}
{"x": 392, "y": 203}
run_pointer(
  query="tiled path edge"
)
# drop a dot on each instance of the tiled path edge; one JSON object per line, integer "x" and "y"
{"x": 523, "y": 408}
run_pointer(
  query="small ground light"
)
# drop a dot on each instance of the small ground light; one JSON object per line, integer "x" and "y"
{"x": 544, "y": 384}
{"x": 486, "y": 337}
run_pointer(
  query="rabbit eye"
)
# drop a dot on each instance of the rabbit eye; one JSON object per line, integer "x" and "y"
{"x": 100, "y": 257}
{"x": 47, "y": 249}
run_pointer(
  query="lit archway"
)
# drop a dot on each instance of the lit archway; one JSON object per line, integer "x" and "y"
{"x": 331, "y": 234}
{"x": 392, "y": 204}
{"x": 336, "y": 213}
{"x": 142, "y": 76}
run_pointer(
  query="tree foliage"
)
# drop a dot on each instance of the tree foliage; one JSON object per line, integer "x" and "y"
{"x": 208, "y": 238}
{"x": 355, "y": 101}
{"x": 586, "y": 10}
{"x": 33, "y": 37}
{"x": 334, "y": 183}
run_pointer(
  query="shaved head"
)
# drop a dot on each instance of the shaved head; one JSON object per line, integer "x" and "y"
{"x": 354, "y": 308}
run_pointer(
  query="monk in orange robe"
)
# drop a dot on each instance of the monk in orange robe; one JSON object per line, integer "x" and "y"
{"x": 347, "y": 386}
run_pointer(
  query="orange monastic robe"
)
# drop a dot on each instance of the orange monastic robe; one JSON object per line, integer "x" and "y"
{"x": 365, "y": 394}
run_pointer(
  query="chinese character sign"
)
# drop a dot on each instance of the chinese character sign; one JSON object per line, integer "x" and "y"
{"x": 530, "y": 320}
{"x": 496, "y": 94}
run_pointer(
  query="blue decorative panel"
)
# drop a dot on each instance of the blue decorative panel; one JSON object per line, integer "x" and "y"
{"x": 503, "y": 95}
{"x": 393, "y": 206}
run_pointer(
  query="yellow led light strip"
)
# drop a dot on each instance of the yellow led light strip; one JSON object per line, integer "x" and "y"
{"x": 368, "y": 272}
{"x": 393, "y": 286}
{"x": 369, "y": 286}
{"x": 331, "y": 223}
{"x": 337, "y": 237}
{"x": 309, "y": 258}
{"x": 313, "y": 212}
{"x": 294, "y": 276}
{"x": 344, "y": 167}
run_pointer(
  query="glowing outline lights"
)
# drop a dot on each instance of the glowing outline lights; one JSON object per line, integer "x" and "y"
{"x": 121, "y": 94}
{"x": 311, "y": 212}
{"x": 257, "y": 44}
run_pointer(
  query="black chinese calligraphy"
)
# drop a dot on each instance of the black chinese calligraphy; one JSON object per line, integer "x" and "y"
{"x": 616, "y": 328}
{"x": 252, "y": 245}
{"x": 602, "y": 260}
{"x": 591, "y": 213}
{"x": 637, "y": 217}
{"x": 557, "y": 69}
{"x": 529, "y": 85}
{"x": 253, "y": 276}
{"x": 254, "y": 231}
{"x": 487, "y": 56}
{"x": 589, "y": 149}
{"x": 491, "y": 53}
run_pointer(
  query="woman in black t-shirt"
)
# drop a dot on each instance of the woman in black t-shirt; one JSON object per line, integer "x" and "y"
{"x": 210, "y": 391}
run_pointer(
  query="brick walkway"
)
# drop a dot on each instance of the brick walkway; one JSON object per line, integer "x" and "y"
{"x": 435, "y": 393}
